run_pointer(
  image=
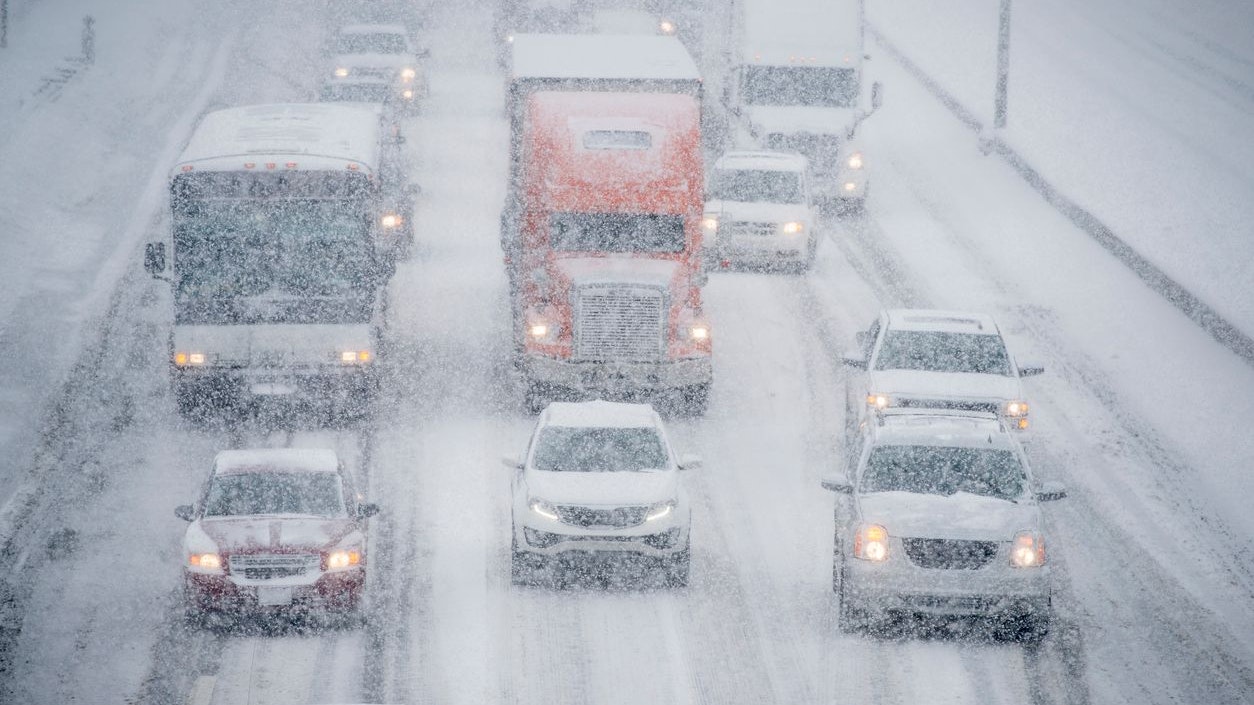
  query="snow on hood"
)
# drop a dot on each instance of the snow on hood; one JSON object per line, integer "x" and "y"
{"x": 251, "y": 533}
{"x": 616, "y": 270}
{"x": 960, "y": 516}
{"x": 610, "y": 489}
{"x": 794, "y": 118}
{"x": 943, "y": 385}
{"x": 758, "y": 211}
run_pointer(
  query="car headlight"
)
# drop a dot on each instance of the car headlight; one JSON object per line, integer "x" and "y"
{"x": 660, "y": 510}
{"x": 543, "y": 508}
{"x": 341, "y": 72}
{"x": 354, "y": 357}
{"x": 1028, "y": 550}
{"x": 666, "y": 27}
{"x": 878, "y": 401}
{"x": 391, "y": 221}
{"x": 709, "y": 224}
{"x": 190, "y": 359}
{"x": 855, "y": 160}
{"x": 342, "y": 559}
{"x": 205, "y": 563}
{"x": 793, "y": 227}
{"x": 870, "y": 543}
{"x": 408, "y": 74}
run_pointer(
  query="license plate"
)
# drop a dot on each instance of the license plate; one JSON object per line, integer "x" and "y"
{"x": 271, "y": 389}
{"x": 271, "y": 596}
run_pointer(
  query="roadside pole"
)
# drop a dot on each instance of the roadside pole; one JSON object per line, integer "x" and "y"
{"x": 1003, "y": 66}
{"x": 4, "y": 23}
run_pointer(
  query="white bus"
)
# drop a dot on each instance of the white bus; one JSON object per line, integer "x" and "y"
{"x": 280, "y": 255}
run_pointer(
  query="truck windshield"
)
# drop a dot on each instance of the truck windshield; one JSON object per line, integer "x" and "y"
{"x": 378, "y": 43}
{"x": 571, "y": 449}
{"x": 616, "y": 232}
{"x": 944, "y": 471}
{"x": 938, "y": 351}
{"x": 817, "y": 86}
{"x": 238, "y": 262}
{"x": 754, "y": 185}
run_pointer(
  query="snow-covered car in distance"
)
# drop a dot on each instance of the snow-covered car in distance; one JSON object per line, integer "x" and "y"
{"x": 375, "y": 63}
{"x": 931, "y": 359}
{"x": 599, "y": 481}
{"x": 758, "y": 211}
{"x": 275, "y": 528}
{"x": 940, "y": 516}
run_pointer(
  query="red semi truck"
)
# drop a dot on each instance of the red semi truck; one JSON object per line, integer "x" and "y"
{"x": 602, "y": 227}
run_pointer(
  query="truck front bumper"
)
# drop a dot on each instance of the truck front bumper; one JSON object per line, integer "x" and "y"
{"x": 217, "y": 386}
{"x": 617, "y": 377}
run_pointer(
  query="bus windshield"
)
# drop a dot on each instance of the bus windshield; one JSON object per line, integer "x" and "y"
{"x": 285, "y": 261}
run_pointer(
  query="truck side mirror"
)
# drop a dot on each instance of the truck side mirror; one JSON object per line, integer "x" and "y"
{"x": 154, "y": 258}
{"x": 877, "y": 95}
{"x": 185, "y": 512}
{"x": 854, "y": 359}
{"x": 860, "y": 339}
{"x": 838, "y": 483}
{"x": 367, "y": 510}
{"x": 1051, "y": 492}
{"x": 1031, "y": 369}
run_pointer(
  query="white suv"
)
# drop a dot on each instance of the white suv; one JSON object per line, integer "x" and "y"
{"x": 599, "y": 481}
{"x": 941, "y": 517}
{"x": 927, "y": 359}
{"x": 375, "y": 63}
{"x": 758, "y": 211}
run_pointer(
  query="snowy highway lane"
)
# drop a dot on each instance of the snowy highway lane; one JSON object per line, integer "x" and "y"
{"x": 1154, "y": 591}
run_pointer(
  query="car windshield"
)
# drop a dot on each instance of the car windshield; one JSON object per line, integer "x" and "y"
{"x": 936, "y": 351}
{"x": 944, "y": 470}
{"x": 570, "y": 449}
{"x": 756, "y": 185}
{"x": 818, "y": 86}
{"x": 617, "y": 232}
{"x": 376, "y": 43}
{"x": 251, "y": 493}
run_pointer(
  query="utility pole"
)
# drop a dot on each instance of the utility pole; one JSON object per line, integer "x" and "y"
{"x": 1003, "y": 66}
{"x": 4, "y": 23}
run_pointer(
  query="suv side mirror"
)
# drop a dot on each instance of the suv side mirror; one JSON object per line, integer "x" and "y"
{"x": 837, "y": 482}
{"x": 185, "y": 512}
{"x": 689, "y": 462}
{"x": 513, "y": 462}
{"x": 877, "y": 95}
{"x": 1051, "y": 491}
{"x": 367, "y": 510}
{"x": 854, "y": 359}
{"x": 1031, "y": 369}
{"x": 154, "y": 258}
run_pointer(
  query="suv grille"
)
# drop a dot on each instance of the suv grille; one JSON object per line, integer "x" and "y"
{"x": 265, "y": 566}
{"x": 620, "y": 323}
{"x": 949, "y": 554}
{"x": 617, "y": 517}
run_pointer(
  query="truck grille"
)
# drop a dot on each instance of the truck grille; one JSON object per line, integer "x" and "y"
{"x": 617, "y": 517}
{"x": 620, "y": 323}
{"x": 267, "y": 566}
{"x": 954, "y": 404}
{"x": 949, "y": 554}
{"x": 747, "y": 228}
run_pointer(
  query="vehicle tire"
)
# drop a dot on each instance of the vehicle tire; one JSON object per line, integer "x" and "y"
{"x": 853, "y": 619}
{"x": 1028, "y": 629}
{"x": 677, "y": 569}
{"x": 695, "y": 399}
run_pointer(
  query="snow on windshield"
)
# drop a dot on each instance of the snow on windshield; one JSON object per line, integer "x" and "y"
{"x": 253, "y": 493}
{"x": 944, "y": 471}
{"x": 938, "y": 351}
{"x": 572, "y": 449}
{"x": 750, "y": 185}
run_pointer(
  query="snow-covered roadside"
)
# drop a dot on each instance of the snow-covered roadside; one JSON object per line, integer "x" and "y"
{"x": 1138, "y": 111}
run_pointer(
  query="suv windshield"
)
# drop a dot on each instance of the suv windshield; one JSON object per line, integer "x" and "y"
{"x": 249, "y": 493}
{"x": 936, "y": 351}
{"x": 569, "y": 449}
{"x": 378, "y": 43}
{"x": 819, "y": 86}
{"x": 754, "y": 185}
{"x": 944, "y": 470}
{"x": 616, "y": 232}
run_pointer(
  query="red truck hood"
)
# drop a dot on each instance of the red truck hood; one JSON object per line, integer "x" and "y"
{"x": 618, "y": 270}
{"x": 234, "y": 534}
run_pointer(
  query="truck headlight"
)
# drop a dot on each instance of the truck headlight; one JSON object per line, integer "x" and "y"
{"x": 709, "y": 224}
{"x": 353, "y": 357}
{"x": 699, "y": 331}
{"x": 793, "y": 227}
{"x": 540, "y": 330}
{"x": 408, "y": 73}
{"x": 870, "y": 543}
{"x": 342, "y": 559}
{"x": 1028, "y": 550}
{"x": 341, "y": 72}
{"x": 543, "y": 508}
{"x": 855, "y": 160}
{"x": 660, "y": 510}
{"x": 878, "y": 401}
{"x": 1017, "y": 412}
{"x": 190, "y": 359}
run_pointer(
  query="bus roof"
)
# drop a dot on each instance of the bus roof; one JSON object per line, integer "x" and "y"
{"x": 613, "y": 57}
{"x": 300, "y": 135}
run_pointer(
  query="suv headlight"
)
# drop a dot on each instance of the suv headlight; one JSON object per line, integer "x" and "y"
{"x": 355, "y": 357}
{"x": 878, "y": 401}
{"x": 208, "y": 563}
{"x": 543, "y": 508}
{"x": 661, "y": 510}
{"x": 1028, "y": 550}
{"x": 870, "y": 543}
{"x": 341, "y": 559}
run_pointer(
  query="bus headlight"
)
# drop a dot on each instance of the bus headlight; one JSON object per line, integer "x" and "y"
{"x": 855, "y": 160}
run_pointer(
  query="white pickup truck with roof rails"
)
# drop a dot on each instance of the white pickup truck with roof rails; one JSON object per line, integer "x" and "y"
{"x": 758, "y": 211}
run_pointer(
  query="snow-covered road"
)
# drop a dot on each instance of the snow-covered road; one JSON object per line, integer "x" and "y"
{"x": 1137, "y": 414}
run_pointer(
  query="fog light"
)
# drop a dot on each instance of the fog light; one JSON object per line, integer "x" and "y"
{"x": 850, "y": 186}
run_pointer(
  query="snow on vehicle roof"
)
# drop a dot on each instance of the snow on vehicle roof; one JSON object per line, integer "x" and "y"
{"x": 337, "y": 131}
{"x": 801, "y": 32}
{"x": 941, "y": 321}
{"x": 600, "y": 414}
{"x": 940, "y": 428}
{"x": 229, "y": 462}
{"x": 606, "y": 56}
{"x": 374, "y": 29}
{"x": 761, "y": 160}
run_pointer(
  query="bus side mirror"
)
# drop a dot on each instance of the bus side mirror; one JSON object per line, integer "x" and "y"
{"x": 877, "y": 95}
{"x": 154, "y": 258}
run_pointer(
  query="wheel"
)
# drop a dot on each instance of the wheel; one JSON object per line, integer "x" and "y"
{"x": 677, "y": 568}
{"x": 695, "y": 399}
{"x": 523, "y": 565}
{"x": 853, "y": 619}
{"x": 1028, "y": 629}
